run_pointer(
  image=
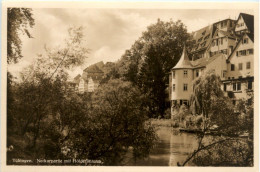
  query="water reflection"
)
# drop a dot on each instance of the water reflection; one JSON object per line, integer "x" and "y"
{"x": 172, "y": 147}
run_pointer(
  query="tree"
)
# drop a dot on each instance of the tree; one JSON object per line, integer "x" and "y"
{"x": 43, "y": 85}
{"x": 18, "y": 21}
{"x": 116, "y": 123}
{"x": 225, "y": 149}
{"x": 206, "y": 90}
{"x": 150, "y": 59}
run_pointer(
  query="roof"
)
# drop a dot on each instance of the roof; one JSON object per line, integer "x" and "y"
{"x": 203, "y": 37}
{"x": 205, "y": 61}
{"x": 249, "y": 21}
{"x": 223, "y": 20}
{"x": 93, "y": 69}
{"x": 228, "y": 34}
{"x": 250, "y": 35}
{"x": 77, "y": 79}
{"x": 184, "y": 61}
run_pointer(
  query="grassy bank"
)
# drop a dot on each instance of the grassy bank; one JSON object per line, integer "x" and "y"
{"x": 163, "y": 123}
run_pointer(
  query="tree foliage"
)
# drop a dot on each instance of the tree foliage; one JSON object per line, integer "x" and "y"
{"x": 18, "y": 21}
{"x": 47, "y": 121}
{"x": 221, "y": 118}
{"x": 42, "y": 86}
{"x": 206, "y": 90}
{"x": 150, "y": 59}
{"x": 116, "y": 123}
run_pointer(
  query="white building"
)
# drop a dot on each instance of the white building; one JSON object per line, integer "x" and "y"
{"x": 227, "y": 47}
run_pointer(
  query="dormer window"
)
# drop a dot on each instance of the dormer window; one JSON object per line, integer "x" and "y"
{"x": 203, "y": 33}
{"x": 200, "y": 39}
{"x": 206, "y": 37}
{"x": 203, "y": 44}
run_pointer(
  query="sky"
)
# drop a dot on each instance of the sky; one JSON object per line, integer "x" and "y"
{"x": 107, "y": 32}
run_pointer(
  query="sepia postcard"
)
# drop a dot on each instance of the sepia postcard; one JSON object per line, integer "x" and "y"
{"x": 130, "y": 86}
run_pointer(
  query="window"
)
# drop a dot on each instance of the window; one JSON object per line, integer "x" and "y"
{"x": 206, "y": 37}
{"x": 245, "y": 41}
{"x": 234, "y": 86}
{"x": 185, "y": 102}
{"x": 230, "y": 23}
{"x": 240, "y": 66}
{"x": 221, "y": 40}
{"x": 224, "y": 73}
{"x": 241, "y": 53}
{"x": 238, "y": 86}
{"x": 213, "y": 43}
{"x": 225, "y": 87}
{"x": 185, "y": 87}
{"x": 225, "y": 23}
{"x": 250, "y": 51}
{"x": 185, "y": 73}
{"x": 173, "y": 74}
{"x": 197, "y": 73}
{"x": 203, "y": 44}
{"x": 216, "y": 42}
{"x": 232, "y": 67}
{"x": 249, "y": 85}
{"x": 173, "y": 87}
{"x": 248, "y": 65}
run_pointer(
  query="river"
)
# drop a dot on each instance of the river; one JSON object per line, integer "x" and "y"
{"x": 172, "y": 147}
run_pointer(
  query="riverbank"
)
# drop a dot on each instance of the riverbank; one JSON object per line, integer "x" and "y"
{"x": 164, "y": 123}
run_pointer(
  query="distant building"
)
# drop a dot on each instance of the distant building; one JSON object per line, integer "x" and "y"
{"x": 89, "y": 81}
{"x": 227, "y": 47}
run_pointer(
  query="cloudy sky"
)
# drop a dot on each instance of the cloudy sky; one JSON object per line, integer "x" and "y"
{"x": 108, "y": 32}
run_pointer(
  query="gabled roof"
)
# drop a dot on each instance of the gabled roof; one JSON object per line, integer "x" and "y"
{"x": 249, "y": 21}
{"x": 184, "y": 62}
{"x": 251, "y": 37}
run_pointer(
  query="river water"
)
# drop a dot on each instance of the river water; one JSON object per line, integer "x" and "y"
{"x": 172, "y": 147}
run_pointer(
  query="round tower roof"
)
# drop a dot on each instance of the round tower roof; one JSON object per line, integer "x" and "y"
{"x": 184, "y": 62}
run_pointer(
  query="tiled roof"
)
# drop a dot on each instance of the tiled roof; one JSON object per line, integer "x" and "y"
{"x": 227, "y": 33}
{"x": 203, "y": 37}
{"x": 249, "y": 21}
{"x": 204, "y": 61}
